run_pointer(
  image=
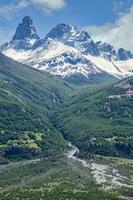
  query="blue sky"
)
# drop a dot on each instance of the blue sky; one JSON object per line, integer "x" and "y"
{"x": 92, "y": 14}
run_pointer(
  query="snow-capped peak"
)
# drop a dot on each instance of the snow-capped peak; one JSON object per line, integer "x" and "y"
{"x": 63, "y": 32}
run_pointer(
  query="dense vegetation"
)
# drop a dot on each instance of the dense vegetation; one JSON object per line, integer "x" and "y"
{"x": 100, "y": 122}
{"x": 35, "y": 109}
{"x": 59, "y": 193}
{"x": 26, "y": 98}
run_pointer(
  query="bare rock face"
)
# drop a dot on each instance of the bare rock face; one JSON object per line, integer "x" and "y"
{"x": 25, "y": 30}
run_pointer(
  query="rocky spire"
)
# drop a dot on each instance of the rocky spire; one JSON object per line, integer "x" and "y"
{"x": 25, "y": 30}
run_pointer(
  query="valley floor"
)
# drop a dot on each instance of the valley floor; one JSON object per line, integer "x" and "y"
{"x": 107, "y": 176}
{"x": 68, "y": 177}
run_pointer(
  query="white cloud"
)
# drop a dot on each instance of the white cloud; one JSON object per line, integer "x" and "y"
{"x": 117, "y": 6}
{"x": 46, "y": 6}
{"x": 50, "y": 5}
{"x": 119, "y": 34}
{"x": 7, "y": 9}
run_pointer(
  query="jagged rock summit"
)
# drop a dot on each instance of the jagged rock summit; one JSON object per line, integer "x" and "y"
{"x": 24, "y": 38}
{"x": 26, "y": 30}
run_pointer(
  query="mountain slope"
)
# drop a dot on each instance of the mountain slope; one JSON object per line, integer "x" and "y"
{"x": 68, "y": 52}
{"x": 100, "y": 122}
{"x": 26, "y": 98}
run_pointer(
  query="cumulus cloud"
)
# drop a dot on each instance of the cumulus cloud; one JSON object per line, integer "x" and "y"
{"x": 118, "y": 6}
{"x": 50, "y": 5}
{"x": 119, "y": 34}
{"x": 45, "y": 5}
{"x": 7, "y": 9}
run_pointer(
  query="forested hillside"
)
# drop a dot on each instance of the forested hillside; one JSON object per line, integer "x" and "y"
{"x": 26, "y": 98}
{"x": 100, "y": 122}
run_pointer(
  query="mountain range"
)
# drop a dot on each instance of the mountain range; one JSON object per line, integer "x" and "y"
{"x": 69, "y": 53}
